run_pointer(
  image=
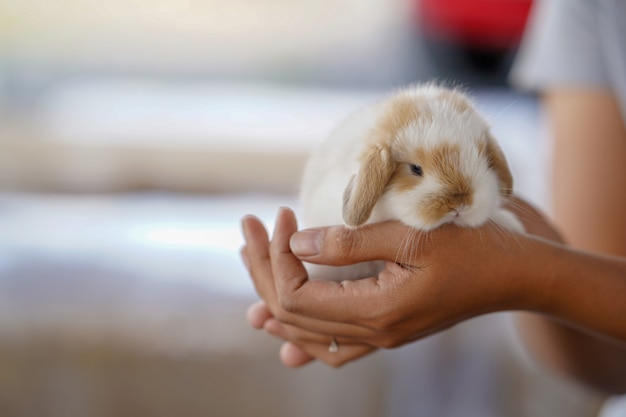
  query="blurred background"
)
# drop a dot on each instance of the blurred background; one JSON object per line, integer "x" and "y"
{"x": 134, "y": 134}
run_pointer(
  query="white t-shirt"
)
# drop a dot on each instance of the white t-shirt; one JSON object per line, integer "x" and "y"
{"x": 573, "y": 43}
{"x": 576, "y": 43}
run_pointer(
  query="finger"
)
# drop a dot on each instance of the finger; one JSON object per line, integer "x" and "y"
{"x": 254, "y": 232}
{"x": 354, "y": 308}
{"x": 284, "y": 263}
{"x": 324, "y": 327}
{"x": 339, "y": 245}
{"x": 340, "y": 357}
{"x": 293, "y": 356}
{"x": 291, "y": 278}
{"x": 258, "y": 314}
{"x": 290, "y": 274}
{"x": 285, "y": 267}
{"x": 257, "y": 257}
{"x": 303, "y": 336}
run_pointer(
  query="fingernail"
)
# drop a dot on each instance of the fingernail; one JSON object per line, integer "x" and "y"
{"x": 306, "y": 243}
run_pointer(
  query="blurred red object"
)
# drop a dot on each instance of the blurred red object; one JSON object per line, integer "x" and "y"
{"x": 478, "y": 24}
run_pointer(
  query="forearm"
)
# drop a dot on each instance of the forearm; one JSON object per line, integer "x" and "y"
{"x": 583, "y": 290}
{"x": 590, "y": 348}
{"x": 580, "y": 330}
{"x": 593, "y": 361}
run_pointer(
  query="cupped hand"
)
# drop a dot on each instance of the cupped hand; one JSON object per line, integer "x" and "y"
{"x": 264, "y": 262}
{"x": 431, "y": 282}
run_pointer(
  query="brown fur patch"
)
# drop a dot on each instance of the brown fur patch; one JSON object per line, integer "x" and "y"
{"x": 377, "y": 164}
{"x": 458, "y": 101}
{"x": 364, "y": 190}
{"x": 497, "y": 161}
{"x": 403, "y": 180}
{"x": 399, "y": 114}
{"x": 379, "y": 171}
{"x": 457, "y": 189}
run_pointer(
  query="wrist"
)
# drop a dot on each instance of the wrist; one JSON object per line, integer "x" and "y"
{"x": 585, "y": 290}
{"x": 531, "y": 275}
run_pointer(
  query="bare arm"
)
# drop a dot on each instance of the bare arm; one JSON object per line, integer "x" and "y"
{"x": 589, "y": 194}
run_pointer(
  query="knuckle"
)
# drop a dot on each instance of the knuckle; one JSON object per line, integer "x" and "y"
{"x": 288, "y": 304}
{"x": 383, "y": 320}
{"x": 342, "y": 243}
{"x": 282, "y": 316}
{"x": 388, "y": 342}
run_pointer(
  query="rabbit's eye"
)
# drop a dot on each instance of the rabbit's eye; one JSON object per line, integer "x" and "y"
{"x": 417, "y": 170}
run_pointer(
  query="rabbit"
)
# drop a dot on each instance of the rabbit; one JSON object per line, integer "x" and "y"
{"x": 423, "y": 156}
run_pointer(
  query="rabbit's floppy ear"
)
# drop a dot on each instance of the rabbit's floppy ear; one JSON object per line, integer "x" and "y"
{"x": 497, "y": 161}
{"x": 366, "y": 187}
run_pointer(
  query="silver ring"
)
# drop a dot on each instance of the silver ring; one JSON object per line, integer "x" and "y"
{"x": 334, "y": 346}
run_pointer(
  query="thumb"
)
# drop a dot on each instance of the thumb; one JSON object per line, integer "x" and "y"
{"x": 340, "y": 245}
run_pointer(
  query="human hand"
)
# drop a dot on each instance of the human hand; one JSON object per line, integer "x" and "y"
{"x": 446, "y": 276}
{"x": 264, "y": 262}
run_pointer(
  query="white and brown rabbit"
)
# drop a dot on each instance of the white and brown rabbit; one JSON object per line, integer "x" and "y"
{"x": 423, "y": 156}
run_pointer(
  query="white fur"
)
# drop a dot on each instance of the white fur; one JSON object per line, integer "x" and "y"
{"x": 330, "y": 168}
{"x": 336, "y": 161}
